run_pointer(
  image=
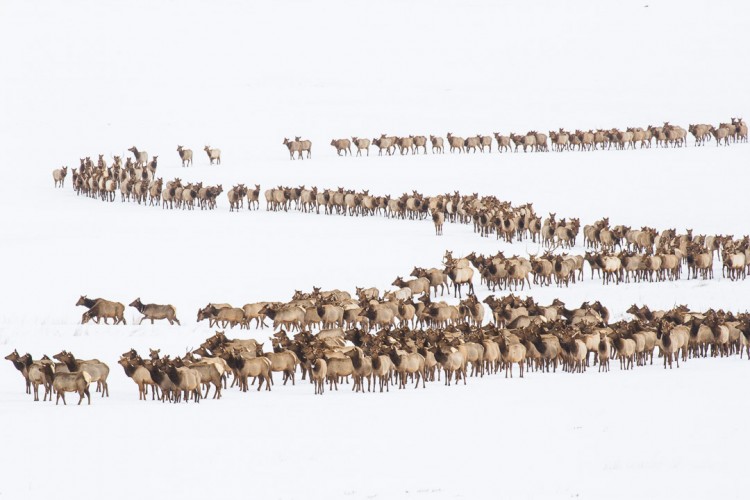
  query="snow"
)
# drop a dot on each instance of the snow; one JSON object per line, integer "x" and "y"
{"x": 85, "y": 77}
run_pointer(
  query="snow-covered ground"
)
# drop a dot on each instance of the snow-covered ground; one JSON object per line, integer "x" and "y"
{"x": 83, "y": 78}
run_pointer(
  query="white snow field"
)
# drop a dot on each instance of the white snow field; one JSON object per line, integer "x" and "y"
{"x": 82, "y": 78}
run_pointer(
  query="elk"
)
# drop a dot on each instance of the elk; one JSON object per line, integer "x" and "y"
{"x": 455, "y": 143}
{"x": 602, "y": 351}
{"x": 511, "y": 353}
{"x": 36, "y": 376}
{"x": 209, "y": 313}
{"x": 97, "y": 370}
{"x": 671, "y": 341}
{"x": 453, "y": 363}
{"x": 611, "y": 268}
{"x": 235, "y": 196}
{"x": 574, "y": 353}
{"x": 382, "y": 366}
{"x": 244, "y": 367}
{"x": 362, "y": 369}
{"x": 69, "y": 382}
{"x": 361, "y": 144}
{"x": 626, "y": 349}
{"x": 471, "y": 143}
{"x": 290, "y": 317}
{"x": 408, "y": 364}
{"x": 527, "y": 141}
{"x": 186, "y": 380}
{"x": 344, "y": 145}
{"x": 15, "y": 358}
{"x": 405, "y": 144}
{"x": 438, "y": 218}
{"x": 318, "y": 374}
{"x": 294, "y": 147}
{"x": 160, "y": 378}
{"x": 105, "y": 309}
{"x": 437, "y": 143}
{"x": 58, "y": 175}
{"x": 186, "y": 155}
{"x": 384, "y": 143}
{"x": 253, "y": 198}
{"x": 338, "y": 368}
{"x": 155, "y": 311}
{"x": 209, "y": 374}
{"x": 285, "y": 361}
{"x": 305, "y": 145}
{"x": 437, "y": 278}
{"x": 721, "y": 135}
{"x": 485, "y": 141}
{"x": 460, "y": 276}
{"x": 380, "y": 315}
{"x": 418, "y": 285}
{"x": 503, "y": 142}
{"x": 420, "y": 141}
{"x": 141, "y": 157}
{"x": 140, "y": 375}
{"x": 214, "y": 154}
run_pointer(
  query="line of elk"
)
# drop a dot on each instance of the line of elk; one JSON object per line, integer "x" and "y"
{"x": 667, "y": 135}
{"x": 488, "y": 214}
{"x": 534, "y": 337}
{"x": 644, "y": 253}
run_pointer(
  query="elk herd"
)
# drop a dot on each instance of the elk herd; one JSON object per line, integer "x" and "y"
{"x": 431, "y": 340}
{"x": 405, "y": 335}
{"x": 666, "y": 135}
{"x": 398, "y": 337}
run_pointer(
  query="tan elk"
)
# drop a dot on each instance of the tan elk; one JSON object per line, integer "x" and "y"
{"x": 155, "y": 311}
{"x": 344, "y": 145}
{"x": 186, "y": 156}
{"x": 214, "y": 154}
